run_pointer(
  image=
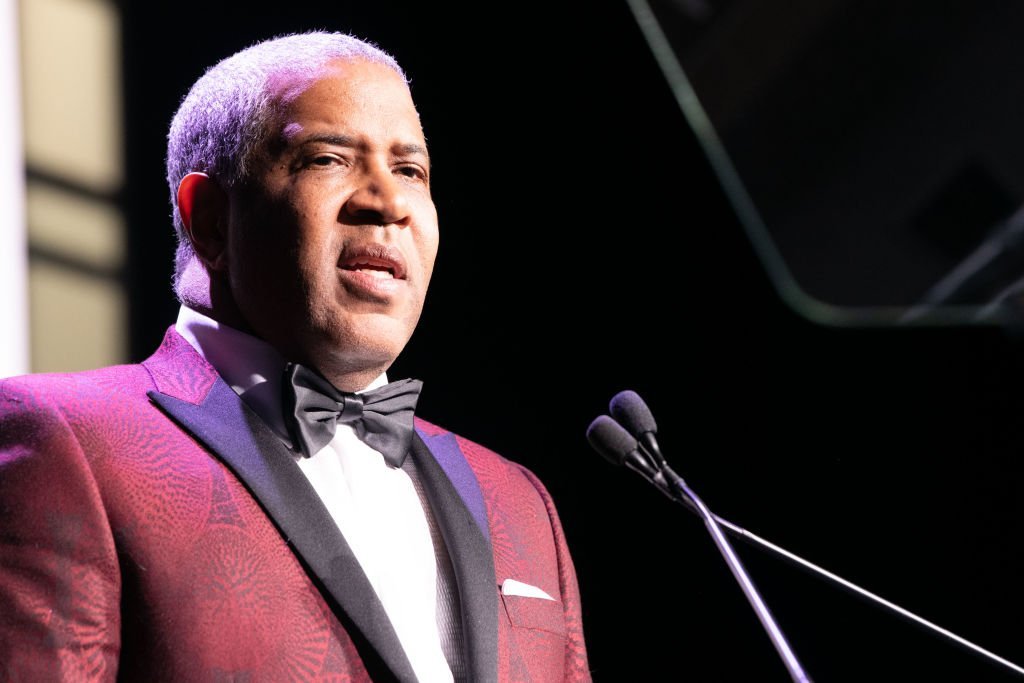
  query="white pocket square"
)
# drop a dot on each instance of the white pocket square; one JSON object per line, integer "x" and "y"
{"x": 513, "y": 587}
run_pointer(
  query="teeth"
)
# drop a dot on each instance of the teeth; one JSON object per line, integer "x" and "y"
{"x": 372, "y": 269}
{"x": 374, "y": 272}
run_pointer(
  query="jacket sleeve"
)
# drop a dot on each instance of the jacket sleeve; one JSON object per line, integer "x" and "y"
{"x": 59, "y": 579}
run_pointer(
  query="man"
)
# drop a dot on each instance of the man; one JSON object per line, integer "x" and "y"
{"x": 240, "y": 506}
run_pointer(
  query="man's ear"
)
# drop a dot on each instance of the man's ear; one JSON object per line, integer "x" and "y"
{"x": 203, "y": 207}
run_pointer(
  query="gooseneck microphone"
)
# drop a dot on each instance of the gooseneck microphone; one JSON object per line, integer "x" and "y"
{"x": 630, "y": 440}
{"x": 630, "y": 411}
{"x": 619, "y": 447}
{"x": 613, "y": 441}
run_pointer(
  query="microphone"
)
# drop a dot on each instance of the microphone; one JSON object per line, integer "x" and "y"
{"x": 619, "y": 447}
{"x": 616, "y": 446}
{"x": 632, "y": 413}
{"x": 636, "y": 420}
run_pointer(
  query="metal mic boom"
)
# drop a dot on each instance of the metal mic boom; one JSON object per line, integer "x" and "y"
{"x": 634, "y": 416}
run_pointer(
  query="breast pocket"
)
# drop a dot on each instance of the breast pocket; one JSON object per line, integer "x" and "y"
{"x": 535, "y": 613}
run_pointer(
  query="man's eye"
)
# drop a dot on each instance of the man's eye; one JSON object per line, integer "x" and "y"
{"x": 321, "y": 160}
{"x": 412, "y": 172}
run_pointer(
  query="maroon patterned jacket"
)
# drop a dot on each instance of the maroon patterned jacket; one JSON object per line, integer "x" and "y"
{"x": 153, "y": 528}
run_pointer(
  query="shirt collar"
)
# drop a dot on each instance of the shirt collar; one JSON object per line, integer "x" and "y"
{"x": 250, "y": 366}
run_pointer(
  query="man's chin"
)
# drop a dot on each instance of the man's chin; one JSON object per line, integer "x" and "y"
{"x": 369, "y": 344}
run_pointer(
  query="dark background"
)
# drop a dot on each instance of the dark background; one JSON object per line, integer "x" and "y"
{"x": 588, "y": 248}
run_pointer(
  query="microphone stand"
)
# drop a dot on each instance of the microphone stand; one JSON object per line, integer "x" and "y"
{"x": 684, "y": 495}
{"x": 742, "y": 533}
{"x": 796, "y": 671}
{"x": 637, "y": 448}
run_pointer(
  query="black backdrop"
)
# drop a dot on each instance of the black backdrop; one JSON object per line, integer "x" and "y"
{"x": 587, "y": 248}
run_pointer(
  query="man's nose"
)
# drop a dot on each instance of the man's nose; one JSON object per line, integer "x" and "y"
{"x": 379, "y": 199}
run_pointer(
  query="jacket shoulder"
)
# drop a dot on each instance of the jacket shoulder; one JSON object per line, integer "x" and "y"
{"x": 490, "y": 467}
{"x": 65, "y": 388}
{"x": 471, "y": 449}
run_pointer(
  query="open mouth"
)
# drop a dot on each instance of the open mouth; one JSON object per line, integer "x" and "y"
{"x": 371, "y": 269}
{"x": 374, "y": 260}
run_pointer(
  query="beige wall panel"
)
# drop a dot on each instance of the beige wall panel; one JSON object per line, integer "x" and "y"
{"x": 77, "y": 322}
{"x": 81, "y": 229}
{"x": 71, "y": 83}
{"x": 13, "y": 261}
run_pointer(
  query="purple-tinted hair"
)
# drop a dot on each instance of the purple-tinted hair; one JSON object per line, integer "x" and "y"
{"x": 225, "y": 116}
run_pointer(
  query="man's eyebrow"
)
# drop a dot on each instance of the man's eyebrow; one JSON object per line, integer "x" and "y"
{"x": 410, "y": 149}
{"x": 329, "y": 138}
{"x": 404, "y": 149}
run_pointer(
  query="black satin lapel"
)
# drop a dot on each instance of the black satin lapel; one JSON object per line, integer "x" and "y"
{"x": 472, "y": 558}
{"x": 229, "y": 428}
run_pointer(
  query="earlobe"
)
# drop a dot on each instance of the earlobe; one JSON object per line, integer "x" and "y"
{"x": 202, "y": 205}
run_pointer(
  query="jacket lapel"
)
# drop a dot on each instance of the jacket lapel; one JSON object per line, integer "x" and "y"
{"x": 228, "y": 428}
{"x": 458, "y": 506}
{"x": 194, "y": 396}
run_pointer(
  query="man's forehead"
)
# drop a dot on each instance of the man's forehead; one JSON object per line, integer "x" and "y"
{"x": 346, "y": 106}
{"x": 288, "y": 82}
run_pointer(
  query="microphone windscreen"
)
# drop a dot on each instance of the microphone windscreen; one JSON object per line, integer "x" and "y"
{"x": 632, "y": 413}
{"x": 608, "y": 438}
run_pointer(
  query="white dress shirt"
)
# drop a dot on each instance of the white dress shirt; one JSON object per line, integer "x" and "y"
{"x": 379, "y": 509}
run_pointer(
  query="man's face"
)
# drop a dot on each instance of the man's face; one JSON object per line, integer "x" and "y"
{"x": 332, "y": 242}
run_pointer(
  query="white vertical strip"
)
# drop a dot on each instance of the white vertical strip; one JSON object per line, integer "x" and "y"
{"x": 13, "y": 252}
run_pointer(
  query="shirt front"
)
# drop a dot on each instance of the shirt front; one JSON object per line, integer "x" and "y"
{"x": 380, "y": 510}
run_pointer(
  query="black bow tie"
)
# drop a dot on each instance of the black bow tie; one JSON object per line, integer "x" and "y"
{"x": 381, "y": 418}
